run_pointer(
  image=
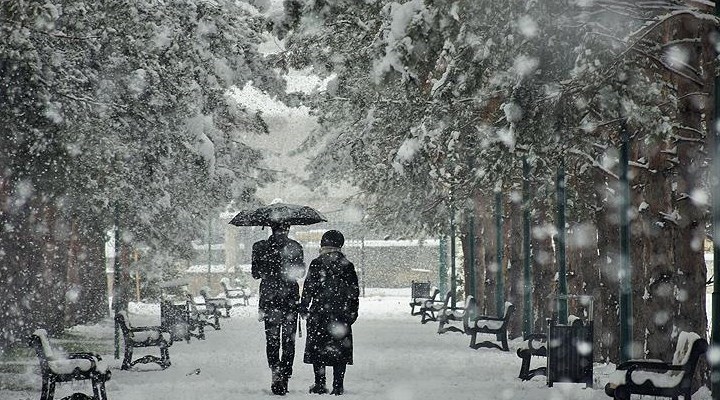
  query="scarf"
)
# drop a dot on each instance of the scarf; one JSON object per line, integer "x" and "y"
{"x": 328, "y": 249}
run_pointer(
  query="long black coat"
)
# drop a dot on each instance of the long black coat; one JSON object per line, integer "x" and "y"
{"x": 331, "y": 296}
{"x": 278, "y": 261}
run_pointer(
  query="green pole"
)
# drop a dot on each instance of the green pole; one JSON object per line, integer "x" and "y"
{"x": 527, "y": 278}
{"x": 715, "y": 318}
{"x": 116, "y": 280}
{"x": 562, "y": 273}
{"x": 626, "y": 324}
{"x": 472, "y": 288}
{"x": 472, "y": 284}
{"x": 453, "y": 273}
{"x": 362, "y": 262}
{"x": 442, "y": 271}
{"x": 209, "y": 273}
{"x": 499, "y": 285}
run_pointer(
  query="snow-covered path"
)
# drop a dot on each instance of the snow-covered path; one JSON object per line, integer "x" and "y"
{"x": 396, "y": 358}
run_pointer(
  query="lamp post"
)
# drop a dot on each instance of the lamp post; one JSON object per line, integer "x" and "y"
{"x": 560, "y": 252}
{"x": 453, "y": 280}
{"x": 116, "y": 280}
{"x": 499, "y": 283}
{"x": 471, "y": 250}
{"x": 527, "y": 277}
{"x": 209, "y": 259}
{"x": 442, "y": 270}
{"x": 362, "y": 262}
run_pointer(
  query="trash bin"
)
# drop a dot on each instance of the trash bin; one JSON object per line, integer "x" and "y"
{"x": 173, "y": 308}
{"x": 570, "y": 346}
{"x": 173, "y": 318}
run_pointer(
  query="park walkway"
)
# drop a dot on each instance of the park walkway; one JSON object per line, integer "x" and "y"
{"x": 396, "y": 358}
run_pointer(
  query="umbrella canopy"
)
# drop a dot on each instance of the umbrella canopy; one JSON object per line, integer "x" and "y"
{"x": 278, "y": 213}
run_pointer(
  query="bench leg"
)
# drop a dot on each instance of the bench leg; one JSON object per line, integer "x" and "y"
{"x": 216, "y": 318}
{"x": 96, "y": 388}
{"x": 127, "y": 360}
{"x": 621, "y": 393}
{"x": 525, "y": 366}
{"x": 164, "y": 357}
{"x": 504, "y": 340}
{"x": 45, "y": 391}
{"x": 51, "y": 389}
{"x": 101, "y": 387}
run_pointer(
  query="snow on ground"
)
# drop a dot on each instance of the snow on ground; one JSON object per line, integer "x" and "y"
{"x": 396, "y": 358}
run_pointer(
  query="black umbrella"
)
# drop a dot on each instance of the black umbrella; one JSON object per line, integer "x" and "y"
{"x": 278, "y": 213}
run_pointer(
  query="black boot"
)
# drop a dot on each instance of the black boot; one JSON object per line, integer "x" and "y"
{"x": 338, "y": 379}
{"x": 319, "y": 386}
{"x": 279, "y": 382}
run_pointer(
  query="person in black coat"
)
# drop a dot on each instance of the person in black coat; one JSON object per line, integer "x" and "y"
{"x": 330, "y": 301}
{"x": 278, "y": 262}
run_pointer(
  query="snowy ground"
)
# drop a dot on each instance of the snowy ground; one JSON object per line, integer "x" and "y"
{"x": 396, "y": 358}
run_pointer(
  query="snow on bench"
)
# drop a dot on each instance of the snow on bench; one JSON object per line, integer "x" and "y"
{"x": 658, "y": 378}
{"x": 66, "y": 367}
{"x": 144, "y": 336}
{"x": 475, "y": 323}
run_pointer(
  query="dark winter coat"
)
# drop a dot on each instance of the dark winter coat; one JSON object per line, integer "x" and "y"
{"x": 278, "y": 261}
{"x": 330, "y": 296}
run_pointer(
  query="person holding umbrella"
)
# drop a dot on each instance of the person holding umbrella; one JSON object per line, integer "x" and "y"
{"x": 278, "y": 262}
{"x": 330, "y": 300}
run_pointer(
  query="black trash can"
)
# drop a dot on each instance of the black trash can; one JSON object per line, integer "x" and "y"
{"x": 570, "y": 347}
{"x": 173, "y": 308}
{"x": 173, "y": 318}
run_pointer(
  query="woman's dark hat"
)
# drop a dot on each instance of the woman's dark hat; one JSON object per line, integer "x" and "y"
{"x": 332, "y": 238}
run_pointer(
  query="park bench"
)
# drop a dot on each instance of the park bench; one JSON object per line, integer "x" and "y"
{"x": 235, "y": 292}
{"x": 216, "y": 304}
{"x": 450, "y": 313}
{"x": 68, "y": 367}
{"x": 535, "y": 344}
{"x": 430, "y": 307}
{"x": 658, "y": 378}
{"x": 475, "y": 324}
{"x": 199, "y": 316}
{"x": 419, "y": 292}
{"x": 143, "y": 336}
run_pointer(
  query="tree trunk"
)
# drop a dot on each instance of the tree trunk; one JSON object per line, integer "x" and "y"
{"x": 489, "y": 236}
{"x": 607, "y": 322}
{"x": 543, "y": 263}
{"x": 480, "y": 252}
{"x": 689, "y": 262}
{"x": 93, "y": 280}
{"x": 514, "y": 278}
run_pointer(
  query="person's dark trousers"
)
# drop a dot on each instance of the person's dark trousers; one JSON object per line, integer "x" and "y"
{"x": 280, "y": 330}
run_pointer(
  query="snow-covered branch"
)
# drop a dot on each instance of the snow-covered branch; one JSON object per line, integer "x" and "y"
{"x": 593, "y": 162}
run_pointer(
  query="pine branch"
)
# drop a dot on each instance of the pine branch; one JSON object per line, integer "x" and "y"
{"x": 54, "y": 34}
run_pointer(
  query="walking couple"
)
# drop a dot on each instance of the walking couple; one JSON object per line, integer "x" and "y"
{"x": 329, "y": 302}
